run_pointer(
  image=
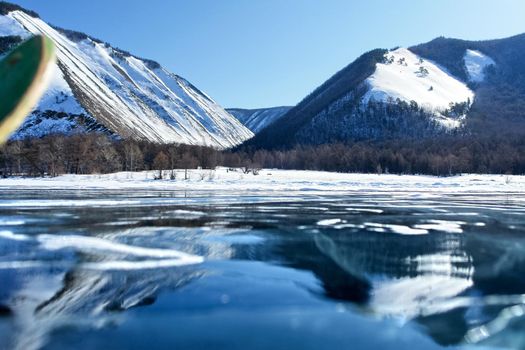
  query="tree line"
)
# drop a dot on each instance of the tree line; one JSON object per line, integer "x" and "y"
{"x": 100, "y": 153}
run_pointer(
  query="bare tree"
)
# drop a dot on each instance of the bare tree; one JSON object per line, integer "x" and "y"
{"x": 187, "y": 162}
{"x": 172, "y": 155}
{"x": 160, "y": 162}
{"x": 133, "y": 156}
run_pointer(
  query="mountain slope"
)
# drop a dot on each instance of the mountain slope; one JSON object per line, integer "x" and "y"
{"x": 499, "y": 107}
{"x": 383, "y": 94}
{"x": 98, "y": 87}
{"x": 407, "y": 77}
{"x": 341, "y": 86}
{"x": 258, "y": 119}
{"x": 446, "y": 86}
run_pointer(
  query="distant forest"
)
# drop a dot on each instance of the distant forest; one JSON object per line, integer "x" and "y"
{"x": 99, "y": 153}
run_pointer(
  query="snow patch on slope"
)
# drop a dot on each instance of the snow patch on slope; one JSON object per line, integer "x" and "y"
{"x": 59, "y": 96}
{"x": 476, "y": 62}
{"x": 258, "y": 119}
{"x": 40, "y": 125}
{"x": 407, "y": 77}
{"x": 10, "y": 27}
{"x": 58, "y": 112}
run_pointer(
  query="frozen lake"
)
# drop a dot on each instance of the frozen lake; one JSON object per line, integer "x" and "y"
{"x": 287, "y": 260}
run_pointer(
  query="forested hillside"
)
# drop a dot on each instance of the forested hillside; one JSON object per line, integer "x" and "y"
{"x": 98, "y": 153}
{"x": 344, "y": 84}
{"x": 340, "y": 109}
{"x": 499, "y": 106}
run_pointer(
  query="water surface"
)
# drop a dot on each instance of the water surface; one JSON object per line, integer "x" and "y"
{"x": 164, "y": 270}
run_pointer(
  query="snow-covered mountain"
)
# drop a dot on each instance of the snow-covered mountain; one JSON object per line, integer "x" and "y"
{"x": 416, "y": 92}
{"x": 98, "y": 87}
{"x": 405, "y": 76}
{"x": 258, "y": 119}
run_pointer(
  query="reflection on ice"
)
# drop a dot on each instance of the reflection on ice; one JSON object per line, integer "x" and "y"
{"x": 415, "y": 296}
{"x": 417, "y": 229}
{"x": 406, "y": 277}
{"x": 50, "y": 301}
{"x": 13, "y": 236}
{"x": 99, "y": 245}
{"x": 443, "y": 225}
{"x": 399, "y": 229}
{"x": 452, "y": 265}
{"x": 500, "y": 323}
{"x": 50, "y": 297}
{"x": 107, "y": 276}
{"x": 329, "y": 222}
{"x": 11, "y": 222}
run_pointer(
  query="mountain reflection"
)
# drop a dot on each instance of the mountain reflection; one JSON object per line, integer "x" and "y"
{"x": 409, "y": 276}
{"x": 460, "y": 281}
{"x": 110, "y": 274}
{"x": 86, "y": 299}
{"x": 461, "y": 288}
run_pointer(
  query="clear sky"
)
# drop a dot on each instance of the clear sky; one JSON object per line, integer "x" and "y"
{"x": 262, "y": 53}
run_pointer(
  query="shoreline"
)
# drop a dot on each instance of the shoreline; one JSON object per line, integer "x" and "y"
{"x": 223, "y": 179}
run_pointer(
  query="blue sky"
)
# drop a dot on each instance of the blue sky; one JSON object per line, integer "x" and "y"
{"x": 262, "y": 53}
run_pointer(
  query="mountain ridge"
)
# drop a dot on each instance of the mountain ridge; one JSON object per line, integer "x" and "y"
{"x": 117, "y": 92}
{"x": 337, "y": 111}
{"x": 445, "y": 86}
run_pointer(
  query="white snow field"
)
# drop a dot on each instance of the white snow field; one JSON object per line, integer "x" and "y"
{"x": 271, "y": 180}
{"x": 476, "y": 62}
{"x": 130, "y": 96}
{"x": 409, "y": 78}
